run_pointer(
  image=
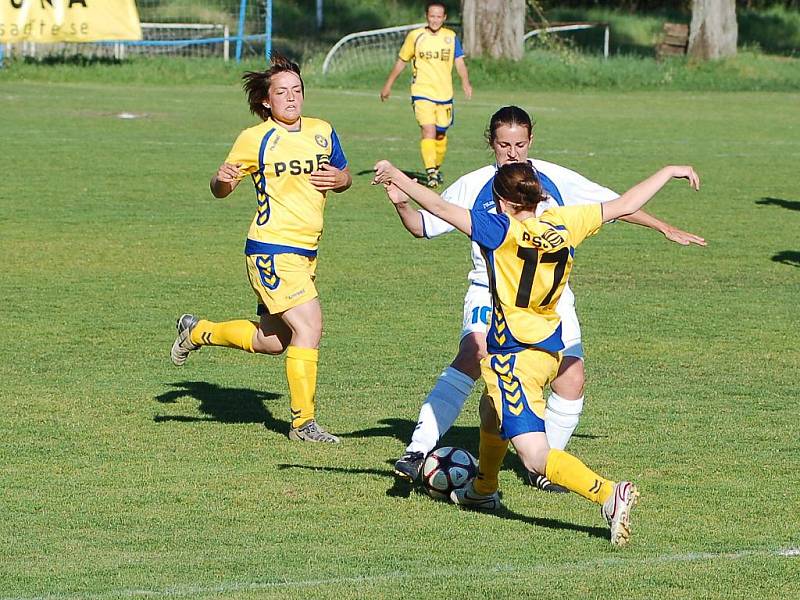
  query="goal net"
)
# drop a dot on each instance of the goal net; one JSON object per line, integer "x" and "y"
{"x": 363, "y": 50}
{"x": 366, "y": 49}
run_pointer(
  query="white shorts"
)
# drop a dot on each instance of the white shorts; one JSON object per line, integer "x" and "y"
{"x": 478, "y": 312}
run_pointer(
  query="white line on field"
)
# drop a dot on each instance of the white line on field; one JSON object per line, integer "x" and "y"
{"x": 249, "y": 586}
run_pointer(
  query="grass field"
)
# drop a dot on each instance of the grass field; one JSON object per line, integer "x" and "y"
{"x": 124, "y": 477}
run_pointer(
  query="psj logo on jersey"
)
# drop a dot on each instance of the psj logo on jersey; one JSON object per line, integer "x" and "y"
{"x": 296, "y": 167}
{"x": 548, "y": 240}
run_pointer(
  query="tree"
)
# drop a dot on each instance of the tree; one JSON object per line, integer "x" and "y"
{"x": 493, "y": 27}
{"x": 713, "y": 32}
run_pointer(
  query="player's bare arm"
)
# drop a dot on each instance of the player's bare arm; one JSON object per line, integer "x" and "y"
{"x": 409, "y": 216}
{"x": 225, "y": 180}
{"x": 389, "y": 175}
{"x": 461, "y": 69}
{"x": 672, "y": 233}
{"x": 329, "y": 178}
{"x": 386, "y": 91}
{"x": 636, "y": 197}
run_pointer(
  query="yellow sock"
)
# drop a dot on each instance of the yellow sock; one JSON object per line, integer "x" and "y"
{"x": 301, "y": 371}
{"x": 493, "y": 450}
{"x": 566, "y": 470}
{"x": 231, "y": 334}
{"x": 441, "y": 150}
{"x": 427, "y": 147}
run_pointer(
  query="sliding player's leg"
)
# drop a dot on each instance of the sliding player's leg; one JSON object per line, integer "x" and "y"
{"x": 451, "y": 390}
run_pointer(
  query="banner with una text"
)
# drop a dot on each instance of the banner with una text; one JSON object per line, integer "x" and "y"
{"x": 68, "y": 20}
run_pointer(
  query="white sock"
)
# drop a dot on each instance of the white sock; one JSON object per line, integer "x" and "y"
{"x": 441, "y": 409}
{"x": 560, "y": 419}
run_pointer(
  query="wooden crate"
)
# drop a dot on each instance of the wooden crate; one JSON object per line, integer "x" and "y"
{"x": 674, "y": 40}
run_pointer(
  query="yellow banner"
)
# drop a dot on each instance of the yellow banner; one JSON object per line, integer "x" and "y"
{"x": 68, "y": 20}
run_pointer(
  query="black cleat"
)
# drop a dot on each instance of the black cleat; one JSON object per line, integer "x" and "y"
{"x": 540, "y": 482}
{"x": 409, "y": 466}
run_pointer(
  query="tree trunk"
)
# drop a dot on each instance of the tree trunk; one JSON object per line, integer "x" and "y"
{"x": 493, "y": 27}
{"x": 713, "y": 32}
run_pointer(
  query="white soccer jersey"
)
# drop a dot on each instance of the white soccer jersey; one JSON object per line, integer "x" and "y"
{"x": 473, "y": 191}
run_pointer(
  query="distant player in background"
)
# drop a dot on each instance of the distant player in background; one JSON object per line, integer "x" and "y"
{"x": 509, "y": 135}
{"x": 293, "y": 161}
{"x": 529, "y": 259}
{"x": 433, "y": 51}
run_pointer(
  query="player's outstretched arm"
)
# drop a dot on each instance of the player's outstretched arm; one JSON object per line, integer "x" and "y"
{"x": 390, "y": 176}
{"x": 409, "y": 216}
{"x": 386, "y": 91}
{"x": 636, "y": 197}
{"x": 225, "y": 180}
{"x": 672, "y": 233}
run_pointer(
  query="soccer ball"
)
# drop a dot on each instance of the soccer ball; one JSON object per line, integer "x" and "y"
{"x": 447, "y": 469}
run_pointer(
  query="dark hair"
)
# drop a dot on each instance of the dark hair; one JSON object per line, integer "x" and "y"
{"x": 256, "y": 83}
{"x": 510, "y": 116}
{"x": 429, "y": 4}
{"x": 518, "y": 184}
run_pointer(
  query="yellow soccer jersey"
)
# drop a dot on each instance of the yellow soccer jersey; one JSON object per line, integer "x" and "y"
{"x": 528, "y": 264}
{"x": 432, "y": 56}
{"x": 289, "y": 209}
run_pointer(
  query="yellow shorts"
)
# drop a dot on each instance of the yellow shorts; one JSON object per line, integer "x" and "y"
{"x": 282, "y": 281}
{"x": 515, "y": 383}
{"x": 433, "y": 113}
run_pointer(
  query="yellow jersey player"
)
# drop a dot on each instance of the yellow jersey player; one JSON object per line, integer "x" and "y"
{"x": 529, "y": 260}
{"x": 433, "y": 50}
{"x": 293, "y": 162}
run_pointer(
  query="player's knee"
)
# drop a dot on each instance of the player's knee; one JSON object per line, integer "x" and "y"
{"x": 534, "y": 458}
{"x": 570, "y": 380}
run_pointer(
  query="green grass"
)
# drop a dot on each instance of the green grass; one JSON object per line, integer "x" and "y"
{"x": 126, "y": 477}
{"x": 539, "y": 70}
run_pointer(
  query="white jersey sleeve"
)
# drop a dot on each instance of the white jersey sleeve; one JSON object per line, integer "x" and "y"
{"x": 574, "y": 188}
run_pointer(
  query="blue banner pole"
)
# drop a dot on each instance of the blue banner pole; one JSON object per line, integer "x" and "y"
{"x": 240, "y": 34}
{"x": 2, "y": 51}
{"x": 268, "y": 31}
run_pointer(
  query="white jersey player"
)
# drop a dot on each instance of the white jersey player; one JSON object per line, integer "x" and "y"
{"x": 510, "y": 137}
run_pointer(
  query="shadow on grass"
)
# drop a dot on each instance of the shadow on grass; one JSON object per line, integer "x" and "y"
{"x": 787, "y": 204}
{"x": 788, "y": 257}
{"x": 404, "y": 490}
{"x": 401, "y": 430}
{"x": 223, "y": 405}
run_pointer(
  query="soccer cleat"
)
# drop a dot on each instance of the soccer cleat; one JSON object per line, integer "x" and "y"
{"x": 310, "y": 431}
{"x": 540, "y": 482}
{"x": 183, "y": 345}
{"x": 617, "y": 511}
{"x": 409, "y": 466}
{"x": 434, "y": 178}
{"x": 469, "y": 498}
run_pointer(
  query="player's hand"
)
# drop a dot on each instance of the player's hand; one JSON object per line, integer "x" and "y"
{"x": 395, "y": 194}
{"x": 328, "y": 177}
{"x": 684, "y": 238}
{"x": 467, "y": 91}
{"x": 385, "y": 93}
{"x": 383, "y": 172}
{"x": 228, "y": 173}
{"x": 686, "y": 172}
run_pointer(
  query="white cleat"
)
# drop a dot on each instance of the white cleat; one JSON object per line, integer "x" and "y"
{"x": 617, "y": 511}
{"x": 183, "y": 345}
{"x": 469, "y": 498}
